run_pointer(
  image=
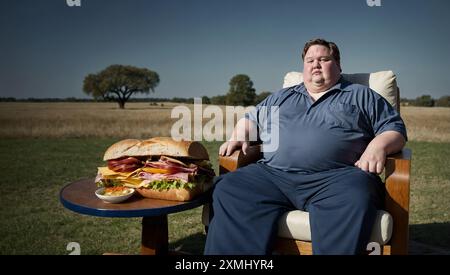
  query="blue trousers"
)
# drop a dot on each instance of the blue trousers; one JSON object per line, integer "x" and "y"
{"x": 248, "y": 202}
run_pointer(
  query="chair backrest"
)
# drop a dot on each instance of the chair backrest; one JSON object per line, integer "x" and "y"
{"x": 383, "y": 82}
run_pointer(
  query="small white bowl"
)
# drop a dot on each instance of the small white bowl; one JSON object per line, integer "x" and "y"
{"x": 100, "y": 193}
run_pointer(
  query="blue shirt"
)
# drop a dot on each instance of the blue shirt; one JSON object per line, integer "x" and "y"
{"x": 329, "y": 133}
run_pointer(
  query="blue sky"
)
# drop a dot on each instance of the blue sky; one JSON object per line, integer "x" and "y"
{"x": 197, "y": 46}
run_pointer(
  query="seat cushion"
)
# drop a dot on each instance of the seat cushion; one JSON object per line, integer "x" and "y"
{"x": 295, "y": 225}
{"x": 383, "y": 82}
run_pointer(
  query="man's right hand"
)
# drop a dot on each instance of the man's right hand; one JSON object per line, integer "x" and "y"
{"x": 229, "y": 147}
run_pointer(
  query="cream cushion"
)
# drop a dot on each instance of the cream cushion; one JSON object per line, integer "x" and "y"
{"x": 383, "y": 82}
{"x": 295, "y": 225}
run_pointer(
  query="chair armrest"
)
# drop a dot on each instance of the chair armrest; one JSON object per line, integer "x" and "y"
{"x": 238, "y": 159}
{"x": 397, "y": 183}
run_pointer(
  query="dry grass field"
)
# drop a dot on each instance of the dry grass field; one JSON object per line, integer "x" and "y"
{"x": 141, "y": 120}
{"x": 58, "y": 120}
{"x": 66, "y": 141}
{"x": 427, "y": 124}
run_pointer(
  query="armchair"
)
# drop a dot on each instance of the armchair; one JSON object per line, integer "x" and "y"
{"x": 391, "y": 229}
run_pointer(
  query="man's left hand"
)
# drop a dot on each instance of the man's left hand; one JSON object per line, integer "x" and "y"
{"x": 372, "y": 160}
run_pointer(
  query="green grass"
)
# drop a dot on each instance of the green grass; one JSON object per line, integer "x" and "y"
{"x": 430, "y": 193}
{"x": 33, "y": 221}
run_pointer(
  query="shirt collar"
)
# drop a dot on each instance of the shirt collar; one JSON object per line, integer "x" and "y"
{"x": 341, "y": 85}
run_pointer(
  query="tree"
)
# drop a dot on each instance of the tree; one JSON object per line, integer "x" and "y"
{"x": 261, "y": 96}
{"x": 424, "y": 100}
{"x": 219, "y": 100}
{"x": 206, "y": 100}
{"x": 119, "y": 83}
{"x": 241, "y": 91}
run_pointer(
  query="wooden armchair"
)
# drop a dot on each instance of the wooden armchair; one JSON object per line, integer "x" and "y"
{"x": 397, "y": 183}
{"x": 391, "y": 229}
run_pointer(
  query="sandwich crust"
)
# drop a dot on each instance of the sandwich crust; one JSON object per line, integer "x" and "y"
{"x": 156, "y": 147}
{"x": 176, "y": 194}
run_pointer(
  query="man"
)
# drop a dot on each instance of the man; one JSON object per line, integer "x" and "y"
{"x": 333, "y": 140}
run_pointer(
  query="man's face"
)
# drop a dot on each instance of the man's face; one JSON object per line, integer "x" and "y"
{"x": 320, "y": 70}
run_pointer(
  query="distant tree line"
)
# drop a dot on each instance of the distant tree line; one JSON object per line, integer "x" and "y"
{"x": 426, "y": 101}
{"x": 120, "y": 82}
{"x": 74, "y": 99}
{"x": 241, "y": 91}
{"x": 217, "y": 100}
{"x": 422, "y": 101}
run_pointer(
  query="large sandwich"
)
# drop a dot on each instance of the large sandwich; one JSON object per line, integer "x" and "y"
{"x": 158, "y": 168}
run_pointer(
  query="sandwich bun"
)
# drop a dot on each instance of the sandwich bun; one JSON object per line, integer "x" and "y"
{"x": 118, "y": 148}
{"x": 158, "y": 146}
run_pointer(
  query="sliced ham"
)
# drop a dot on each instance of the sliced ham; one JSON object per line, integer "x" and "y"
{"x": 127, "y": 164}
{"x": 168, "y": 159}
{"x": 174, "y": 166}
{"x": 176, "y": 176}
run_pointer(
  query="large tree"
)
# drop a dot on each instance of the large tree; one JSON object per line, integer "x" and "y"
{"x": 424, "y": 100}
{"x": 241, "y": 91}
{"x": 119, "y": 83}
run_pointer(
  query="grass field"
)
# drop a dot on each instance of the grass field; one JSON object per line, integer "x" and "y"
{"x": 34, "y": 222}
{"x": 142, "y": 120}
{"x": 37, "y": 163}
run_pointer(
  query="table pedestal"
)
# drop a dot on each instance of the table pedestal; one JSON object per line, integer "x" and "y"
{"x": 155, "y": 235}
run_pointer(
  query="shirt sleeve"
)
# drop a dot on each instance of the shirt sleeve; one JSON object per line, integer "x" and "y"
{"x": 264, "y": 114}
{"x": 253, "y": 114}
{"x": 261, "y": 109}
{"x": 384, "y": 117}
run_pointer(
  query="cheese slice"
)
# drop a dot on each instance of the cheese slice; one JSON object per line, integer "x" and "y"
{"x": 155, "y": 170}
{"x": 132, "y": 181}
{"x": 105, "y": 171}
{"x": 129, "y": 178}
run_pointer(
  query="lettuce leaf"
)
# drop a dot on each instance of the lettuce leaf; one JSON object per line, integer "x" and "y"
{"x": 169, "y": 184}
{"x": 109, "y": 183}
{"x": 161, "y": 185}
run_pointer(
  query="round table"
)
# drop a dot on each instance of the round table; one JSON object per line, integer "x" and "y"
{"x": 79, "y": 196}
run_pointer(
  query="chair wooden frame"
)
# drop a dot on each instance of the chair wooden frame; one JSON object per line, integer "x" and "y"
{"x": 397, "y": 183}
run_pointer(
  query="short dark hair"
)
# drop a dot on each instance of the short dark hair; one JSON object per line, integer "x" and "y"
{"x": 334, "y": 50}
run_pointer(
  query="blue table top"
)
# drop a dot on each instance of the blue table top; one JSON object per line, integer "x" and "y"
{"x": 79, "y": 196}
